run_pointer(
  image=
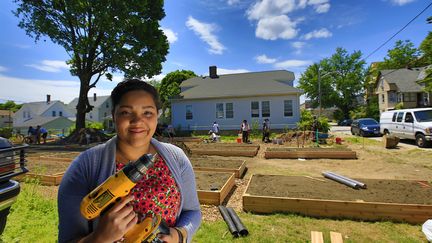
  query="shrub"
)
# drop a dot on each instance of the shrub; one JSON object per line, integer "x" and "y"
{"x": 307, "y": 120}
{"x": 6, "y": 132}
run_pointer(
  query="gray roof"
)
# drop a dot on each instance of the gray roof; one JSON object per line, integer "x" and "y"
{"x": 99, "y": 101}
{"x": 405, "y": 79}
{"x": 40, "y": 120}
{"x": 41, "y": 106}
{"x": 240, "y": 85}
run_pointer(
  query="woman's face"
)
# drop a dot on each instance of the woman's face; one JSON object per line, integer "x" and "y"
{"x": 135, "y": 118}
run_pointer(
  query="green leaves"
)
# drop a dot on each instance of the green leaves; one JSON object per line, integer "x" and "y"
{"x": 341, "y": 80}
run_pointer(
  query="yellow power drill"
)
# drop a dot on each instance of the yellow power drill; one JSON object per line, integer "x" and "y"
{"x": 117, "y": 186}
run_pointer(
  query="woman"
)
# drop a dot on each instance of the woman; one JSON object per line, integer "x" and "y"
{"x": 167, "y": 189}
{"x": 244, "y": 128}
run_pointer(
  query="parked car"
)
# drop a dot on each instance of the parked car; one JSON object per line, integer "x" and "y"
{"x": 345, "y": 122}
{"x": 415, "y": 124}
{"x": 12, "y": 163}
{"x": 365, "y": 127}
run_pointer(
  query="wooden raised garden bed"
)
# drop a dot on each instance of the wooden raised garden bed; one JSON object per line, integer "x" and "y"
{"x": 219, "y": 165}
{"x": 48, "y": 172}
{"x": 213, "y": 187}
{"x": 395, "y": 200}
{"x": 225, "y": 149}
{"x": 309, "y": 153}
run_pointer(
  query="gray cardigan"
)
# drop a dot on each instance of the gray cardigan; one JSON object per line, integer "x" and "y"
{"x": 95, "y": 165}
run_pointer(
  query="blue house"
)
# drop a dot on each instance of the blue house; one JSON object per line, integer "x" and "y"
{"x": 229, "y": 99}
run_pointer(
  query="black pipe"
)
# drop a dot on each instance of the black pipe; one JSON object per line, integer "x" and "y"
{"x": 361, "y": 184}
{"x": 341, "y": 180}
{"x": 231, "y": 226}
{"x": 238, "y": 223}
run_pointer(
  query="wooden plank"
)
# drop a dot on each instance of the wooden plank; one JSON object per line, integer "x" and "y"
{"x": 336, "y": 237}
{"x": 244, "y": 153}
{"x": 237, "y": 171}
{"x": 310, "y": 154}
{"x": 216, "y": 197}
{"x": 411, "y": 213}
{"x": 317, "y": 237}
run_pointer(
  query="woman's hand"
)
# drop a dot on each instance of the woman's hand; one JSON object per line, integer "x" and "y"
{"x": 116, "y": 222}
{"x": 173, "y": 237}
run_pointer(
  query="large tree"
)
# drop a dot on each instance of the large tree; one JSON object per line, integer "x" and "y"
{"x": 170, "y": 86}
{"x": 404, "y": 54}
{"x": 426, "y": 48}
{"x": 100, "y": 37}
{"x": 342, "y": 77}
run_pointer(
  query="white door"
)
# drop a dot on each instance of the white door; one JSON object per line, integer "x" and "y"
{"x": 408, "y": 126}
{"x": 398, "y": 125}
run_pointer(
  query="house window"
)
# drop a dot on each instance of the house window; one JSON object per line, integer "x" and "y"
{"x": 105, "y": 114}
{"x": 53, "y": 113}
{"x": 107, "y": 105}
{"x": 24, "y": 114}
{"x": 392, "y": 97}
{"x": 229, "y": 110}
{"x": 409, "y": 97}
{"x": 254, "y": 109}
{"x": 219, "y": 110}
{"x": 60, "y": 113}
{"x": 382, "y": 98}
{"x": 288, "y": 108}
{"x": 189, "y": 114}
{"x": 91, "y": 115}
{"x": 265, "y": 108}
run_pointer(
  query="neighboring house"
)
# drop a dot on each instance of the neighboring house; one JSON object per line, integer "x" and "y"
{"x": 101, "y": 111}
{"x": 401, "y": 86}
{"x": 6, "y": 117}
{"x": 325, "y": 112}
{"x": 231, "y": 98}
{"x": 49, "y": 114}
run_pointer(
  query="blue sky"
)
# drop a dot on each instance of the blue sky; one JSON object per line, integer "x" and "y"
{"x": 235, "y": 35}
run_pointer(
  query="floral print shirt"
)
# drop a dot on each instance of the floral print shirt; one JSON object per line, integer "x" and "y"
{"x": 156, "y": 193}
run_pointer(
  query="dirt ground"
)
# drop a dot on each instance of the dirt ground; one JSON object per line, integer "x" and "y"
{"x": 374, "y": 162}
{"x": 387, "y": 191}
{"x": 38, "y": 165}
{"x": 210, "y": 181}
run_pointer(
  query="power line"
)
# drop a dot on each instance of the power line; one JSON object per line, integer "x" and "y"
{"x": 373, "y": 52}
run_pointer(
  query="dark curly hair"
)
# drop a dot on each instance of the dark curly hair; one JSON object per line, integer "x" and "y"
{"x": 131, "y": 85}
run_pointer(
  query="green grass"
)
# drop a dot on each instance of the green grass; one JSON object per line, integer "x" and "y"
{"x": 294, "y": 228}
{"x": 33, "y": 218}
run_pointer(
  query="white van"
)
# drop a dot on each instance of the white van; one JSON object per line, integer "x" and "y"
{"x": 409, "y": 124}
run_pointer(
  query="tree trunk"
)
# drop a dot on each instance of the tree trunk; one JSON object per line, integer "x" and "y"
{"x": 82, "y": 104}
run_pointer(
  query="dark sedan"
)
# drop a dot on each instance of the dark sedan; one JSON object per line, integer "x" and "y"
{"x": 365, "y": 127}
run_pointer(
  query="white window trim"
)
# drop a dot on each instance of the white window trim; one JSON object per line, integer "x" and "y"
{"x": 261, "y": 110}
{"x": 292, "y": 108}
{"x": 226, "y": 111}
{"x": 223, "y": 111}
{"x": 191, "y": 112}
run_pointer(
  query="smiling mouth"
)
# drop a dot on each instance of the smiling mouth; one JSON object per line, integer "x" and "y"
{"x": 137, "y": 130}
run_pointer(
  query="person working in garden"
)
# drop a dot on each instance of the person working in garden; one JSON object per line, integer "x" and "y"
{"x": 244, "y": 128}
{"x": 266, "y": 131}
{"x": 167, "y": 189}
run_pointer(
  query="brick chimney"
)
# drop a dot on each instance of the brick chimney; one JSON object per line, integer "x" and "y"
{"x": 213, "y": 72}
{"x": 48, "y": 100}
{"x": 94, "y": 97}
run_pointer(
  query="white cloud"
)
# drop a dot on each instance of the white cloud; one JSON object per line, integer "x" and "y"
{"x": 221, "y": 71}
{"x": 3, "y": 69}
{"x": 263, "y": 59}
{"x": 158, "y": 77}
{"x": 29, "y": 90}
{"x": 298, "y": 45}
{"x": 52, "y": 66}
{"x": 275, "y": 27}
{"x": 401, "y": 2}
{"x": 205, "y": 32}
{"x": 170, "y": 34}
{"x": 321, "y": 33}
{"x": 232, "y": 2}
{"x": 22, "y": 46}
{"x": 266, "y": 8}
{"x": 292, "y": 64}
{"x": 322, "y": 8}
